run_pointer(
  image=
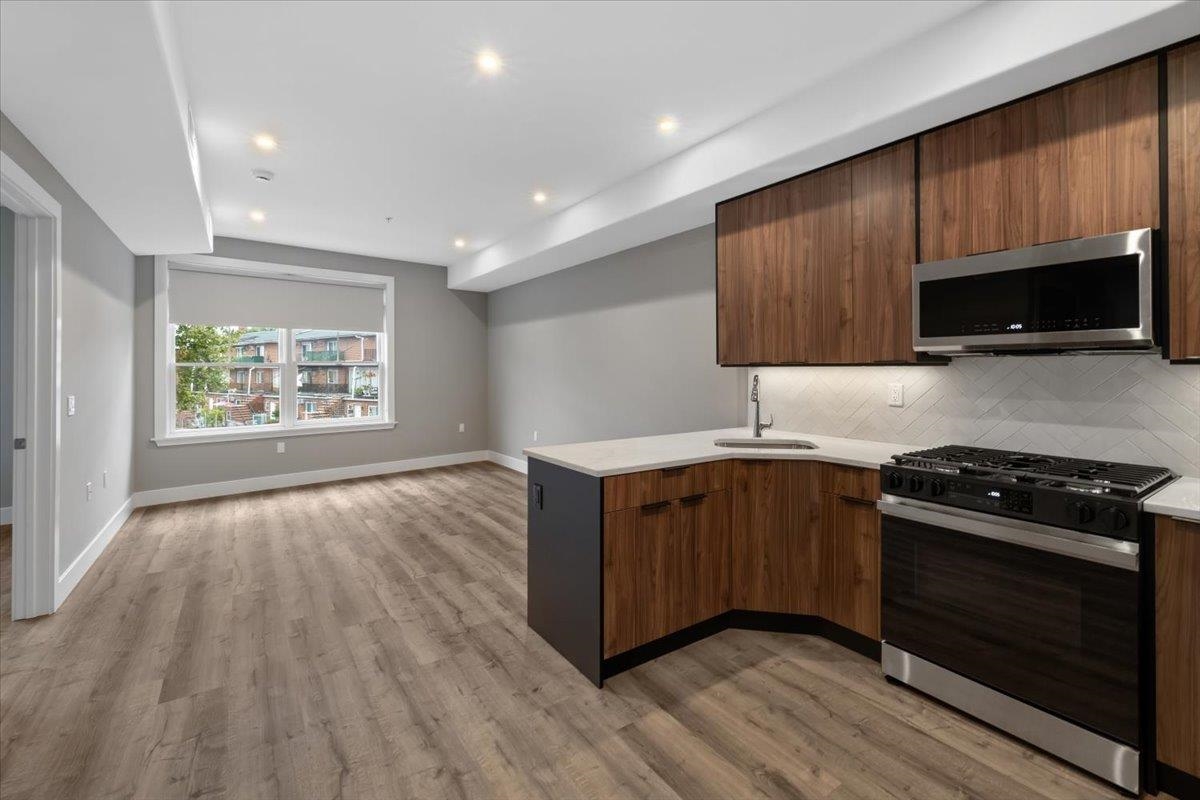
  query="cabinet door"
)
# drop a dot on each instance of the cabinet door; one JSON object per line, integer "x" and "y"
{"x": 640, "y": 551}
{"x": 804, "y": 537}
{"x": 704, "y": 543}
{"x": 883, "y": 250}
{"x": 758, "y": 279}
{"x": 761, "y": 521}
{"x": 1080, "y": 160}
{"x": 823, "y": 248}
{"x": 849, "y": 589}
{"x": 1183, "y": 188}
{"x": 1177, "y": 642}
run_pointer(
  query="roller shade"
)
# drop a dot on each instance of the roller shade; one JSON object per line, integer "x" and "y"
{"x": 197, "y": 297}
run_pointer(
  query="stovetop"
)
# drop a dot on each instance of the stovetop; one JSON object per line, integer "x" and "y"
{"x": 1096, "y": 497}
{"x": 1133, "y": 481}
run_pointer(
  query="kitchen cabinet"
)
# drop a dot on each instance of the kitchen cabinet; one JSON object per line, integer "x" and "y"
{"x": 849, "y": 563}
{"x": 817, "y": 269}
{"x": 1183, "y": 200}
{"x": 775, "y": 538}
{"x": 666, "y": 566}
{"x": 1079, "y": 160}
{"x": 625, "y": 567}
{"x": 1177, "y": 642}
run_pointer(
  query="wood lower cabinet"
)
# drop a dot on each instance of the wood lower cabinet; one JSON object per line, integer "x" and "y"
{"x": 775, "y": 544}
{"x": 849, "y": 563}
{"x": 666, "y": 566}
{"x": 1177, "y": 642}
{"x": 705, "y": 538}
{"x": 1183, "y": 200}
{"x": 1080, "y": 160}
{"x": 817, "y": 270}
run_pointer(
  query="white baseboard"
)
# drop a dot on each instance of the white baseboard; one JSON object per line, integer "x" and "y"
{"x": 70, "y": 577}
{"x": 199, "y": 491}
{"x": 6, "y": 515}
{"x": 519, "y": 464}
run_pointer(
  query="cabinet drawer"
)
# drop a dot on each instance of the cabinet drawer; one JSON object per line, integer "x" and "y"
{"x": 850, "y": 481}
{"x": 656, "y": 485}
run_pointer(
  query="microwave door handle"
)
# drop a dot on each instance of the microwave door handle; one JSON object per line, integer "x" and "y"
{"x": 1097, "y": 549}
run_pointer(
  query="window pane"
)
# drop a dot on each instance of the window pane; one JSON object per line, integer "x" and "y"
{"x": 337, "y": 375}
{"x": 224, "y": 397}
{"x": 198, "y": 344}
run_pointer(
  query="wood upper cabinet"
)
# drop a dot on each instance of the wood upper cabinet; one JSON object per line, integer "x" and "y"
{"x": 666, "y": 566}
{"x": 1177, "y": 642}
{"x": 1183, "y": 200}
{"x": 1080, "y": 160}
{"x": 816, "y": 270}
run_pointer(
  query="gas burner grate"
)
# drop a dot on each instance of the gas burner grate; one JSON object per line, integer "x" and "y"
{"x": 1133, "y": 480}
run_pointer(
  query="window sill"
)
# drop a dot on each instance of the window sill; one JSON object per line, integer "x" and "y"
{"x": 174, "y": 439}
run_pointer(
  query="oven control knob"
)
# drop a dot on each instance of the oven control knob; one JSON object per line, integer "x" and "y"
{"x": 895, "y": 480}
{"x": 1114, "y": 519}
{"x": 916, "y": 483}
{"x": 1084, "y": 513}
{"x": 936, "y": 487}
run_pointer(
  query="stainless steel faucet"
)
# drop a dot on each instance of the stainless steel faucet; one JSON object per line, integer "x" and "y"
{"x": 759, "y": 427}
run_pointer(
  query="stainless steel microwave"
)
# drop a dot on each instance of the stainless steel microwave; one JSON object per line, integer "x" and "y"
{"x": 1082, "y": 294}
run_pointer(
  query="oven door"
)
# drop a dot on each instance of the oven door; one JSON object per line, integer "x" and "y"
{"x": 1044, "y": 615}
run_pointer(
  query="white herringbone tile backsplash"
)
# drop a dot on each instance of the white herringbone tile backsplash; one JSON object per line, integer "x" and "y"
{"x": 1135, "y": 408}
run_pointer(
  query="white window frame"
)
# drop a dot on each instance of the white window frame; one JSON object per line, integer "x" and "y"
{"x": 289, "y": 425}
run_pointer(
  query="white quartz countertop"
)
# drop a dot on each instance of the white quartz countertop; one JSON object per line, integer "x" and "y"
{"x": 1180, "y": 498}
{"x": 616, "y": 456}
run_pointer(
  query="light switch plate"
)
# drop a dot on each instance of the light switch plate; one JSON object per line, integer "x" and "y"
{"x": 462, "y": 427}
{"x": 896, "y": 394}
{"x": 70, "y": 405}
{"x": 281, "y": 447}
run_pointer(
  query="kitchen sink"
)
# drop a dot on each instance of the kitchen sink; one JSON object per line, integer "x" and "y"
{"x": 766, "y": 444}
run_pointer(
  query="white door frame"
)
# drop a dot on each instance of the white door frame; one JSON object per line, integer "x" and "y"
{"x": 37, "y": 378}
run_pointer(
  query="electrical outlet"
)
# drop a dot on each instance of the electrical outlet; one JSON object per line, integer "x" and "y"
{"x": 462, "y": 427}
{"x": 88, "y": 486}
{"x": 281, "y": 447}
{"x": 535, "y": 436}
{"x": 104, "y": 479}
{"x": 896, "y": 394}
{"x": 70, "y": 405}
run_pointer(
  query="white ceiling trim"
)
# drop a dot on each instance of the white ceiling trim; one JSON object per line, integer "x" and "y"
{"x": 992, "y": 54}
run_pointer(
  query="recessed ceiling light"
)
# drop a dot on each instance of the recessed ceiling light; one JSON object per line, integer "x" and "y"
{"x": 265, "y": 142}
{"x": 460, "y": 243}
{"x": 539, "y": 197}
{"x": 488, "y": 62}
{"x": 667, "y": 124}
{"x": 258, "y": 216}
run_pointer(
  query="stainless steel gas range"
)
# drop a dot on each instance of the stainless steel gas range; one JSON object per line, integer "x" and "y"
{"x": 1013, "y": 589}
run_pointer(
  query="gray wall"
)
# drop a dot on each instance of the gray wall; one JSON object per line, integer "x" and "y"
{"x": 440, "y": 364}
{"x": 6, "y": 356}
{"x": 621, "y": 346}
{"x": 97, "y": 356}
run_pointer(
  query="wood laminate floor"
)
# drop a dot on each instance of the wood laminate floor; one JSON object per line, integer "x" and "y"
{"x": 367, "y": 639}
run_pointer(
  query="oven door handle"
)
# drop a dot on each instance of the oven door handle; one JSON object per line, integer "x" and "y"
{"x": 1086, "y": 546}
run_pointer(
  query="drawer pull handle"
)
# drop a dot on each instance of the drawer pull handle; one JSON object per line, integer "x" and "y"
{"x": 648, "y": 507}
{"x": 693, "y": 498}
{"x": 851, "y": 499}
{"x": 668, "y": 470}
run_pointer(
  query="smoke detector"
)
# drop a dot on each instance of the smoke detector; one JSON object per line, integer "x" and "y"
{"x": 264, "y": 175}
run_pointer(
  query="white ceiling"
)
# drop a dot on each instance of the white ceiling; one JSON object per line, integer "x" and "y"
{"x": 97, "y": 88}
{"x": 380, "y": 112}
